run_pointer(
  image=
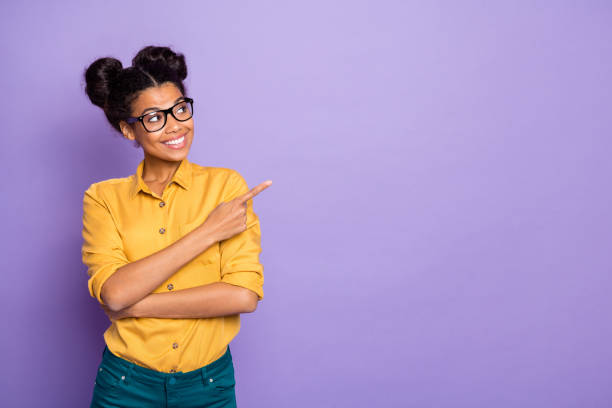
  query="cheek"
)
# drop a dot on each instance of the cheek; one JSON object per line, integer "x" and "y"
{"x": 149, "y": 138}
{"x": 146, "y": 141}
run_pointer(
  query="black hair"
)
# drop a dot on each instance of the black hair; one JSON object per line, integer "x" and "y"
{"x": 114, "y": 88}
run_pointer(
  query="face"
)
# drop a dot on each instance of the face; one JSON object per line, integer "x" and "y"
{"x": 153, "y": 143}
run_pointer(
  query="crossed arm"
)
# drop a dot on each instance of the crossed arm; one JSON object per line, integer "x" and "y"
{"x": 125, "y": 288}
{"x": 134, "y": 299}
{"x": 212, "y": 300}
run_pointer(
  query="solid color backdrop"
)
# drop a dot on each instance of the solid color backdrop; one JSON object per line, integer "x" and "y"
{"x": 438, "y": 232}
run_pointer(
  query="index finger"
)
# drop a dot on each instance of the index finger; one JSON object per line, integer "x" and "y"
{"x": 254, "y": 191}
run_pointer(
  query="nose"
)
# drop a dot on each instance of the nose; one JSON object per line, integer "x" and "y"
{"x": 172, "y": 125}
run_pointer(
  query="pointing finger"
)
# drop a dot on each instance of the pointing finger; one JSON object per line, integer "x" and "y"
{"x": 254, "y": 191}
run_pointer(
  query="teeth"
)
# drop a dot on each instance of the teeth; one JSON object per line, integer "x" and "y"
{"x": 176, "y": 141}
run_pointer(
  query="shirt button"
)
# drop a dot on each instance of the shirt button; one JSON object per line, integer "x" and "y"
{"x": 161, "y": 203}
{"x": 170, "y": 286}
{"x": 162, "y": 230}
{"x": 174, "y": 345}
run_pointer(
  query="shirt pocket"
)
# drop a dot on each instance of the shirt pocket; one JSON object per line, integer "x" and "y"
{"x": 211, "y": 257}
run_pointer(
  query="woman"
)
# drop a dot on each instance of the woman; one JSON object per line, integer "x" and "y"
{"x": 172, "y": 251}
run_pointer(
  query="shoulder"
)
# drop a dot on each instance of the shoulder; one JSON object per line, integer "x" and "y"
{"x": 102, "y": 190}
{"x": 226, "y": 182}
{"x": 218, "y": 174}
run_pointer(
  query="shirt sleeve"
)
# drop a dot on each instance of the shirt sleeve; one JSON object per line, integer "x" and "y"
{"x": 240, "y": 254}
{"x": 102, "y": 250}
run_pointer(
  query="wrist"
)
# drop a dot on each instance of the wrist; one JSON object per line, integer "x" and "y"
{"x": 145, "y": 306}
{"x": 205, "y": 236}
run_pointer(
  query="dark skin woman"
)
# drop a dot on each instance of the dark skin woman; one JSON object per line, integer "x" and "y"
{"x": 167, "y": 346}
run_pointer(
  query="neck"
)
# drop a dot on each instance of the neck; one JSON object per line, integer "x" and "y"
{"x": 158, "y": 170}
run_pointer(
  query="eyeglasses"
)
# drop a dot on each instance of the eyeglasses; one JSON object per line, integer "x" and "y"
{"x": 154, "y": 121}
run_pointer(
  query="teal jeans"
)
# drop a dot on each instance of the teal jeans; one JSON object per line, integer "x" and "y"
{"x": 120, "y": 383}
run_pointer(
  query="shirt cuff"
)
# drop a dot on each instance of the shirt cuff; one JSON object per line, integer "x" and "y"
{"x": 97, "y": 280}
{"x": 247, "y": 279}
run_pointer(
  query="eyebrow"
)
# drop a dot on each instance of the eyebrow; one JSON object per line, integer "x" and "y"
{"x": 155, "y": 108}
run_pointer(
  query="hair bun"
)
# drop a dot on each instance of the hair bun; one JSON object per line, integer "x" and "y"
{"x": 99, "y": 78}
{"x": 155, "y": 59}
{"x": 114, "y": 89}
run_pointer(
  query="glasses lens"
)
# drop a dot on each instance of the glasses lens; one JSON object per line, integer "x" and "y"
{"x": 182, "y": 111}
{"x": 154, "y": 121}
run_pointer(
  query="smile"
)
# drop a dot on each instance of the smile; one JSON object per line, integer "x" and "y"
{"x": 175, "y": 141}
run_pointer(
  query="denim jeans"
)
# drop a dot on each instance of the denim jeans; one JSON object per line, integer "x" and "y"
{"x": 120, "y": 383}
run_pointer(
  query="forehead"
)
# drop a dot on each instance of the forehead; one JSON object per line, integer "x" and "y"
{"x": 162, "y": 96}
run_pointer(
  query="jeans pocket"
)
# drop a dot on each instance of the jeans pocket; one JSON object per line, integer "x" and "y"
{"x": 107, "y": 378}
{"x": 223, "y": 380}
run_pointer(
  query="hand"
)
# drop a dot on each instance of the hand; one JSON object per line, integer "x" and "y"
{"x": 229, "y": 218}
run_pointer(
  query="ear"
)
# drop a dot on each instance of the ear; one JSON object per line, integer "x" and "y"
{"x": 127, "y": 130}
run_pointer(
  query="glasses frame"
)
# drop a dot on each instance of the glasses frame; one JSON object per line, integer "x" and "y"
{"x": 170, "y": 110}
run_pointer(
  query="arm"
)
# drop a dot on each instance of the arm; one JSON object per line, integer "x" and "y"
{"x": 135, "y": 280}
{"x": 113, "y": 280}
{"x": 241, "y": 278}
{"x": 240, "y": 265}
{"x": 211, "y": 300}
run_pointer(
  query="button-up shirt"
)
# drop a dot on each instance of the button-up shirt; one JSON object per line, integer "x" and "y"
{"x": 124, "y": 221}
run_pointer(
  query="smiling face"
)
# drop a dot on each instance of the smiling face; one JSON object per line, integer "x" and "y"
{"x": 153, "y": 144}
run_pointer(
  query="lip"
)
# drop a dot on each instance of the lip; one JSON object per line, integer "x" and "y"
{"x": 176, "y": 146}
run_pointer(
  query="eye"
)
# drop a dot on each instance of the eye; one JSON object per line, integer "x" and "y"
{"x": 156, "y": 117}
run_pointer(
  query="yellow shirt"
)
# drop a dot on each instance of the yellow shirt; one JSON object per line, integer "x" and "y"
{"x": 123, "y": 221}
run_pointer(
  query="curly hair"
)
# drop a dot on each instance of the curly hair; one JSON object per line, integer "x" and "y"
{"x": 114, "y": 88}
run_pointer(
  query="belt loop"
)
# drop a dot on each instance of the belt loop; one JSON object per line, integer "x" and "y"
{"x": 203, "y": 373}
{"x": 128, "y": 373}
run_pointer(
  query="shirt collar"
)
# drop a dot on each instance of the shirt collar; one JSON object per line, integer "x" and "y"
{"x": 182, "y": 177}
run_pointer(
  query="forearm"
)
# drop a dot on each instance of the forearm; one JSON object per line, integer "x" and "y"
{"x": 133, "y": 281}
{"x": 212, "y": 300}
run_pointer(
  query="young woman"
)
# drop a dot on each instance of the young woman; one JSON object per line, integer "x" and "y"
{"x": 172, "y": 251}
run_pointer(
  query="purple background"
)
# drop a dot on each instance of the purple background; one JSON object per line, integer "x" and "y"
{"x": 438, "y": 232}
